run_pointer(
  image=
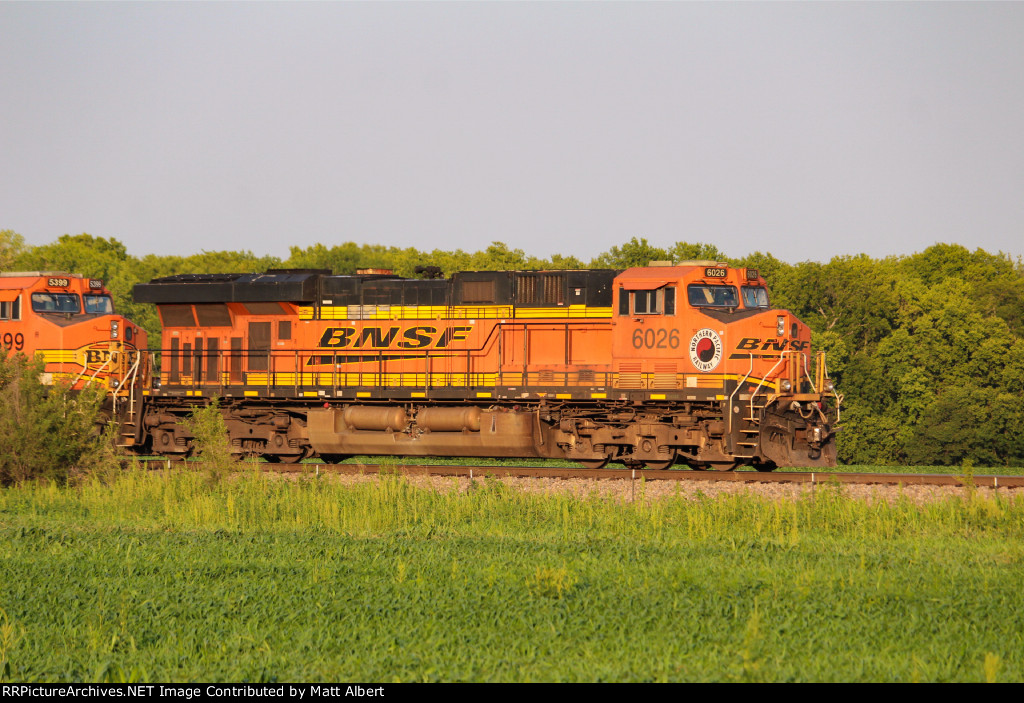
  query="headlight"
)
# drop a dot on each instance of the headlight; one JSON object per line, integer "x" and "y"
{"x": 780, "y": 326}
{"x": 786, "y": 386}
{"x": 829, "y": 386}
{"x": 115, "y": 328}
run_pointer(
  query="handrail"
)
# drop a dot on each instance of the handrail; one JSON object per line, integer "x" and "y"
{"x": 129, "y": 378}
{"x": 807, "y": 373}
{"x": 760, "y": 383}
{"x": 735, "y": 390}
{"x": 85, "y": 369}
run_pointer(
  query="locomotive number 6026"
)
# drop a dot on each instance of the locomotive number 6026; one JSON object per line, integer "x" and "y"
{"x": 656, "y": 339}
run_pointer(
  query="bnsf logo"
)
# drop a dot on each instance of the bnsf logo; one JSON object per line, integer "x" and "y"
{"x": 776, "y": 344}
{"x": 97, "y": 356}
{"x": 386, "y": 337}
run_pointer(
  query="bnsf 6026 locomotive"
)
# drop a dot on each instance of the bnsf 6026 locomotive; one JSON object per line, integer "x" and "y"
{"x": 650, "y": 366}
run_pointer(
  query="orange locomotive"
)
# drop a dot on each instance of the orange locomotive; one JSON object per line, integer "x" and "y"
{"x": 650, "y": 366}
{"x": 69, "y": 322}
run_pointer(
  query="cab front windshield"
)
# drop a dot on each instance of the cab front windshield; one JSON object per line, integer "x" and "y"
{"x": 755, "y": 296}
{"x": 704, "y": 295}
{"x": 56, "y": 302}
{"x": 99, "y": 304}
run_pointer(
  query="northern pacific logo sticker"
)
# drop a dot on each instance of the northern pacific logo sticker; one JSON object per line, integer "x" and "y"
{"x": 705, "y": 350}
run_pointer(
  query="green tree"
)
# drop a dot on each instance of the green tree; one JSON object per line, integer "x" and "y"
{"x": 685, "y": 251}
{"x": 854, "y": 296}
{"x": 635, "y": 252}
{"x": 969, "y": 423}
{"x": 498, "y": 257}
{"x": 12, "y": 246}
{"x": 1003, "y": 298}
{"x": 559, "y": 262}
{"x": 941, "y": 262}
{"x": 96, "y": 257}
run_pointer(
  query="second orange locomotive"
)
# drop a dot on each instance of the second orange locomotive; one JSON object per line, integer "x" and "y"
{"x": 650, "y": 366}
{"x": 69, "y": 322}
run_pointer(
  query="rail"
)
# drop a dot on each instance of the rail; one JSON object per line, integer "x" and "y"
{"x": 813, "y": 478}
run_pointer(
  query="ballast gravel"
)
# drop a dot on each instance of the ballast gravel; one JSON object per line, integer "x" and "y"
{"x": 628, "y": 491}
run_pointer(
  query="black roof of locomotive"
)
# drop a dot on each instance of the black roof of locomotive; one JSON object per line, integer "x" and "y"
{"x": 275, "y": 285}
{"x": 320, "y": 287}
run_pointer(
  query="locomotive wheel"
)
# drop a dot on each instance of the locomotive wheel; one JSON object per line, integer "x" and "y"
{"x": 659, "y": 465}
{"x": 766, "y": 466}
{"x": 332, "y": 458}
{"x": 286, "y": 458}
{"x": 294, "y": 458}
{"x": 593, "y": 463}
{"x": 715, "y": 466}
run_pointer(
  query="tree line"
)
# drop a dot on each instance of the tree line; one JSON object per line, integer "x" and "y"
{"x": 927, "y": 349}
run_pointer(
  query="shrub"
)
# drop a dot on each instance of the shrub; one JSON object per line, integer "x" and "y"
{"x": 210, "y": 439}
{"x": 44, "y": 430}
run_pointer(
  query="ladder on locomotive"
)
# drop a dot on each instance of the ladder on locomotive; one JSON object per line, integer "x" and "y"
{"x": 747, "y": 422}
{"x": 749, "y": 431}
{"x": 128, "y": 427}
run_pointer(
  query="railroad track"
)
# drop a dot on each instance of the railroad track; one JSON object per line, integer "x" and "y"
{"x": 809, "y": 477}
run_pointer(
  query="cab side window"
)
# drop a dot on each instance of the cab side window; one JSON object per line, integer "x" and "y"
{"x": 10, "y": 309}
{"x": 657, "y": 301}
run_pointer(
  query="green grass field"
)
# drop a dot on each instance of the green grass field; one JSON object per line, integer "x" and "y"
{"x": 187, "y": 578}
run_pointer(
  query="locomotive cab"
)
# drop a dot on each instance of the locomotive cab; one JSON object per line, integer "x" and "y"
{"x": 69, "y": 321}
{"x": 704, "y": 332}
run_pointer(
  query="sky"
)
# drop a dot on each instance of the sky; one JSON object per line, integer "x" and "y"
{"x": 807, "y": 130}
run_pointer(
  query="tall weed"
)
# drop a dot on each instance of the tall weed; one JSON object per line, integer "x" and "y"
{"x": 210, "y": 440}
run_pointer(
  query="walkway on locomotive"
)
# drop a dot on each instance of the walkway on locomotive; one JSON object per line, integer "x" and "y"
{"x": 687, "y": 332}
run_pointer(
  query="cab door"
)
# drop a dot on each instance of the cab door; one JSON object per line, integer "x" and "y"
{"x": 647, "y": 344}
